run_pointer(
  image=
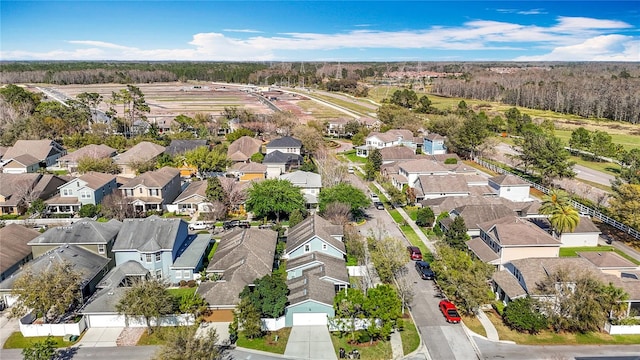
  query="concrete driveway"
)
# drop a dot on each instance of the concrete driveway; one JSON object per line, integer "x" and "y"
{"x": 222, "y": 330}
{"x": 310, "y": 342}
{"x": 7, "y": 326}
{"x": 100, "y": 337}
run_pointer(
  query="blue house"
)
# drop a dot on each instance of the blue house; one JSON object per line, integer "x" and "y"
{"x": 316, "y": 270}
{"x": 162, "y": 246}
{"x": 89, "y": 188}
{"x": 434, "y": 144}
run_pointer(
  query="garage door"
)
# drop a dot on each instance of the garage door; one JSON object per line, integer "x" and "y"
{"x": 305, "y": 319}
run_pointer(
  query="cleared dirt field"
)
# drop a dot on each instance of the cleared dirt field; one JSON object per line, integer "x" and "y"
{"x": 168, "y": 100}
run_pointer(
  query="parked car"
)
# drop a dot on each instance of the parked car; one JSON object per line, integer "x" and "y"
{"x": 424, "y": 270}
{"x": 449, "y": 311}
{"x": 350, "y": 169}
{"x": 200, "y": 225}
{"x": 379, "y": 205}
{"x": 374, "y": 197}
{"x": 414, "y": 253}
{"x": 236, "y": 223}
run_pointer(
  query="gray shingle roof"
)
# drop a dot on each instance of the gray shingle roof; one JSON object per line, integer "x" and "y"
{"x": 303, "y": 179}
{"x": 158, "y": 178}
{"x": 191, "y": 253}
{"x": 278, "y": 157}
{"x": 508, "y": 180}
{"x": 508, "y": 283}
{"x": 148, "y": 235}
{"x": 312, "y": 226}
{"x": 91, "y": 151}
{"x": 323, "y": 265}
{"x": 284, "y": 142}
{"x": 310, "y": 287}
{"x": 198, "y": 188}
{"x": 606, "y": 259}
{"x": 85, "y": 231}
{"x": 242, "y": 256}
{"x": 140, "y": 152}
{"x": 514, "y": 231}
{"x": 14, "y": 245}
{"x": 177, "y": 147}
{"x": 84, "y": 261}
{"x": 482, "y": 250}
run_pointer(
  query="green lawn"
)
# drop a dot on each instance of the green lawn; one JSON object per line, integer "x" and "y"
{"x": 157, "y": 337}
{"x": 553, "y": 338}
{"x": 319, "y": 111}
{"x": 268, "y": 342}
{"x": 349, "y": 105}
{"x": 410, "y": 234}
{"x": 17, "y": 341}
{"x": 351, "y": 156}
{"x": 379, "y": 350}
{"x": 179, "y": 292}
{"x": 410, "y": 337}
{"x": 573, "y": 251}
{"x": 626, "y": 140}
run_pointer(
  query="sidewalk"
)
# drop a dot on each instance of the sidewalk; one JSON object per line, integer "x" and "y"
{"x": 492, "y": 333}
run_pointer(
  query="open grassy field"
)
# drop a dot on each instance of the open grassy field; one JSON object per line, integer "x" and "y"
{"x": 319, "y": 111}
{"x": 350, "y": 105}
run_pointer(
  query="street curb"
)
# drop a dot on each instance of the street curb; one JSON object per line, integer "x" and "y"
{"x": 260, "y": 352}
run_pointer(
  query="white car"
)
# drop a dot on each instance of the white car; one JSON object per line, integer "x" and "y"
{"x": 199, "y": 225}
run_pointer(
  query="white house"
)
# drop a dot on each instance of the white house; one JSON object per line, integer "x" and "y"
{"x": 309, "y": 183}
{"x": 510, "y": 187}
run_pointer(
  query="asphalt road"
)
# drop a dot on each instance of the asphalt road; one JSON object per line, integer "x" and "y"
{"x": 128, "y": 352}
{"x": 582, "y": 172}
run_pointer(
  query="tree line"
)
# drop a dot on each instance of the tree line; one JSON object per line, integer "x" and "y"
{"x": 598, "y": 90}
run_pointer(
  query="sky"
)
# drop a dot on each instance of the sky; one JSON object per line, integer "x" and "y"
{"x": 321, "y": 30}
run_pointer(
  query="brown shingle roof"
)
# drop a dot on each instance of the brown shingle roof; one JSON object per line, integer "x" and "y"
{"x": 96, "y": 180}
{"x": 478, "y": 214}
{"x": 482, "y": 250}
{"x": 11, "y": 184}
{"x": 157, "y": 178}
{"x": 194, "y": 188}
{"x": 249, "y": 168}
{"x": 535, "y": 270}
{"x": 243, "y": 148}
{"x": 442, "y": 184}
{"x": 606, "y": 259}
{"x": 140, "y": 152}
{"x": 40, "y": 149}
{"x": 14, "y": 246}
{"x": 508, "y": 180}
{"x": 25, "y": 159}
{"x": 424, "y": 166}
{"x": 91, "y": 151}
{"x": 393, "y": 153}
{"x": 509, "y": 284}
{"x": 512, "y": 230}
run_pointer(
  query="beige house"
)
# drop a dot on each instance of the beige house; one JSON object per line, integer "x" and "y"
{"x": 46, "y": 152}
{"x": 511, "y": 238}
{"x": 242, "y": 149}
{"x": 15, "y": 189}
{"x": 21, "y": 164}
{"x": 609, "y": 262}
{"x": 142, "y": 152}
{"x": 153, "y": 190}
{"x": 92, "y": 151}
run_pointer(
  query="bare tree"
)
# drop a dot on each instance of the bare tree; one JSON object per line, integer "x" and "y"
{"x": 331, "y": 170}
{"x": 117, "y": 206}
{"x": 338, "y": 213}
{"x": 236, "y": 193}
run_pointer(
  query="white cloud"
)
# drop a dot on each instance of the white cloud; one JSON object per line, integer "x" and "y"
{"x": 599, "y": 48}
{"x": 569, "y": 39}
{"x": 251, "y": 31}
{"x": 532, "y": 12}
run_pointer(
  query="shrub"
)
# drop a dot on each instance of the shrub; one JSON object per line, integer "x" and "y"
{"x": 521, "y": 315}
{"x": 451, "y": 161}
{"x": 191, "y": 283}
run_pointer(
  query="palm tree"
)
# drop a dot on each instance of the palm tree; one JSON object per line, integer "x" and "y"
{"x": 562, "y": 215}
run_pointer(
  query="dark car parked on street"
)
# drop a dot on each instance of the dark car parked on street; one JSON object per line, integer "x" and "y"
{"x": 236, "y": 223}
{"x": 424, "y": 270}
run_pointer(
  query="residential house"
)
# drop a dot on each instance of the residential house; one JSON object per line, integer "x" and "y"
{"x": 141, "y": 152}
{"x": 20, "y": 164}
{"x": 70, "y": 161}
{"x": 16, "y": 191}
{"x": 192, "y": 199}
{"x": 242, "y": 256}
{"x": 586, "y": 232}
{"x": 412, "y": 169}
{"x": 473, "y": 215}
{"x": 243, "y": 148}
{"x": 510, "y": 187}
{"x": 449, "y": 203}
{"x": 430, "y": 187}
{"x": 434, "y": 144}
{"x": 180, "y": 147}
{"x": 397, "y": 153}
{"x": 153, "y": 190}
{"x": 14, "y": 248}
{"x": 510, "y": 238}
{"x": 521, "y": 277}
{"x": 309, "y": 183}
{"x": 336, "y": 127}
{"x": 370, "y": 123}
{"x": 249, "y": 171}
{"x": 91, "y": 267}
{"x": 93, "y": 236}
{"x": 316, "y": 269}
{"x": 158, "y": 244}
{"x": 393, "y": 137}
{"x": 279, "y": 163}
{"x": 610, "y": 262}
{"x": 89, "y": 188}
{"x": 100, "y": 310}
{"x": 46, "y": 151}
{"x": 286, "y": 145}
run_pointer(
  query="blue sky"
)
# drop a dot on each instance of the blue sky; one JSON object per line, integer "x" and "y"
{"x": 321, "y": 31}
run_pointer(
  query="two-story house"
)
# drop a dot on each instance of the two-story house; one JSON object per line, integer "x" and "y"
{"x": 192, "y": 199}
{"x": 510, "y": 187}
{"x": 434, "y": 144}
{"x": 316, "y": 269}
{"x": 14, "y": 192}
{"x": 285, "y": 144}
{"x": 14, "y": 248}
{"x": 20, "y": 164}
{"x": 309, "y": 183}
{"x": 249, "y": 171}
{"x": 510, "y": 238}
{"x": 409, "y": 171}
{"x": 242, "y": 256}
{"x": 393, "y": 137}
{"x": 153, "y": 190}
{"x": 139, "y": 153}
{"x": 91, "y": 151}
{"x": 159, "y": 246}
{"x": 89, "y": 188}
{"x": 96, "y": 237}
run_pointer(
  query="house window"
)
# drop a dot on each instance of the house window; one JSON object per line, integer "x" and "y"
{"x": 187, "y": 274}
{"x": 101, "y": 248}
{"x": 85, "y": 195}
{"x": 66, "y": 192}
{"x": 157, "y": 256}
{"x": 148, "y": 257}
{"x": 158, "y": 274}
{"x": 140, "y": 190}
{"x": 307, "y": 248}
{"x": 178, "y": 274}
{"x": 324, "y": 246}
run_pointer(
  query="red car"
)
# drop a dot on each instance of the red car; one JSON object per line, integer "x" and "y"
{"x": 449, "y": 311}
{"x": 414, "y": 253}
